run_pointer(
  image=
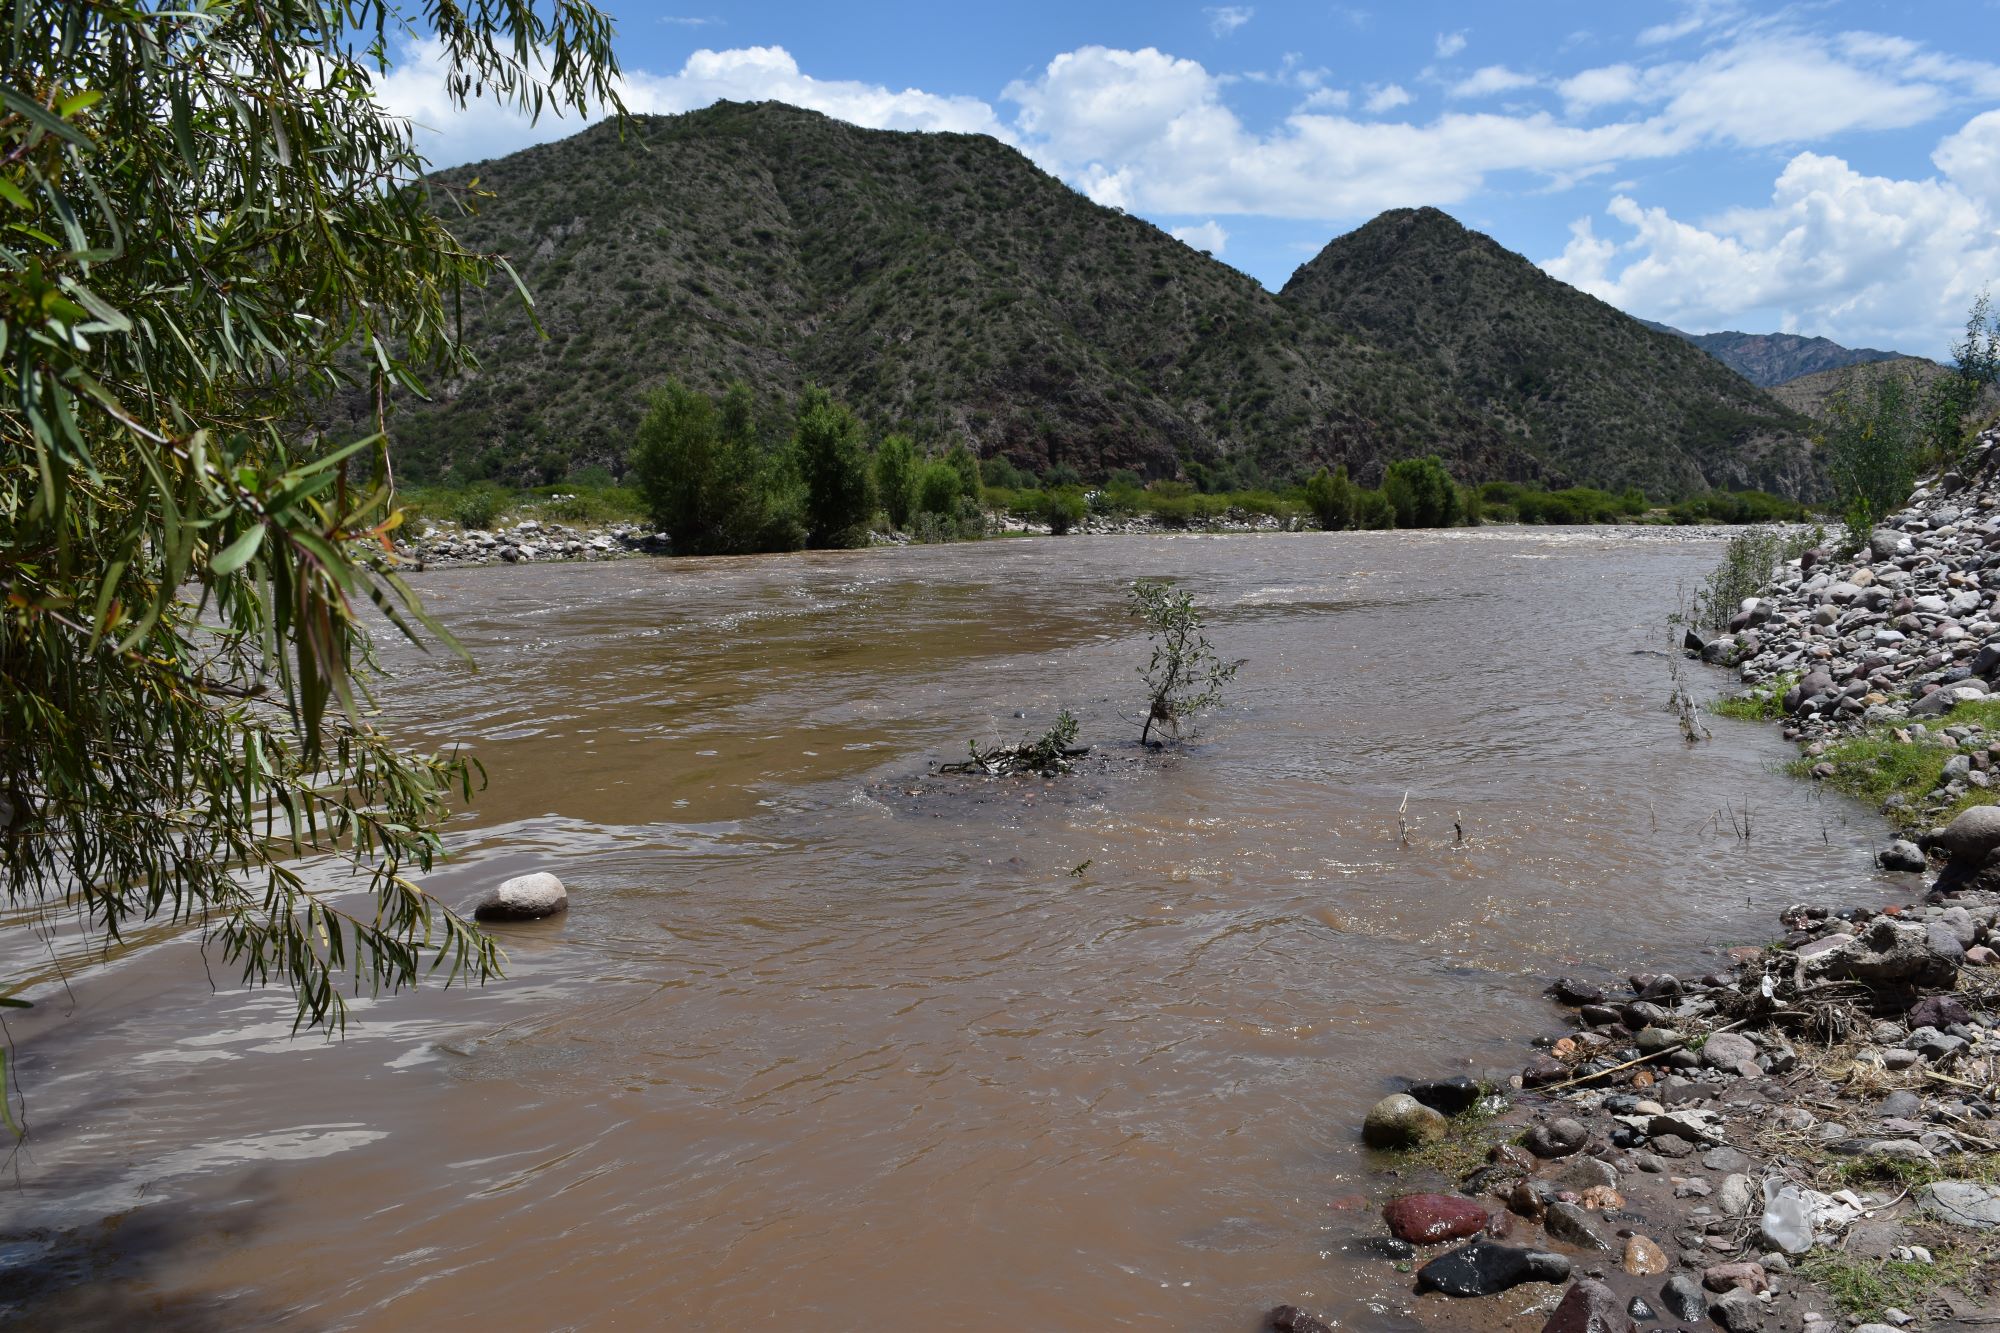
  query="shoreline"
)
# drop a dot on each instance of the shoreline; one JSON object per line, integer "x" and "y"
{"x": 535, "y": 541}
{"x": 1799, "y": 1138}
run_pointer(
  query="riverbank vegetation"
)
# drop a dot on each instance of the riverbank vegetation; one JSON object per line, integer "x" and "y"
{"x": 1882, "y": 429}
{"x": 211, "y": 225}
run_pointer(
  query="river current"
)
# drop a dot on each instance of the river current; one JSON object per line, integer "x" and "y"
{"x": 828, "y": 1043}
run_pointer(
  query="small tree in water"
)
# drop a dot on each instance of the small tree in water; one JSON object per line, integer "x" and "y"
{"x": 1184, "y": 675}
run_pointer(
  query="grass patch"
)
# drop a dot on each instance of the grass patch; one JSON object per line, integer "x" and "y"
{"x": 1765, "y": 703}
{"x": 1866, "y": 1287}
{"x": 1462, "y": 1148}
{"x": 1873, "y": 765}
{"x": 486, "y": 505}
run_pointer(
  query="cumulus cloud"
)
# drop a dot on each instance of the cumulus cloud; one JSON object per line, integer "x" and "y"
{"x": 1450, "y": 44}
{"x": 1226, "y": 19}
{"x": 1387, "y": 97}
{"x": 1491, "y": 79}
{"x": 415, "y": 89}
{"x": 1881, "y": 260}
{"x": 1207, "y": 236}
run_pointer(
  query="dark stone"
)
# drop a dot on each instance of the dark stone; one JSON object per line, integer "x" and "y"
{"x": 1556, "y": 1138}
{"x": 1938, "y": 1011}
{"x": 1672, "y": 1145}
{"x": 1638, "y": 1309}
{"x": 1386, "y": 1247}
{"x": 1426, "y": 1219}
{"x": 1682, "y": 1296}
{"x": 1291, "y": 1319}
{"x": 1573, "y": 991}
{"x": 1589, "y": 1307}
{"x": 1664, "y": 987}
{"x": 1572, "y": 1226}
{"x": 1542, "y": 1071}
{"x": 1497, "y": 1180}
{"x": 1452, "y": 1096}
{"x": 1484, "y": 1268}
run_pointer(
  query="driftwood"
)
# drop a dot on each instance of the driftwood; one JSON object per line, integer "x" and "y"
{"x": 1046, "y": 756}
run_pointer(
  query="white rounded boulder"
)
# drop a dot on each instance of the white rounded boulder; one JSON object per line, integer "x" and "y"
{"x": 522, "y": 898}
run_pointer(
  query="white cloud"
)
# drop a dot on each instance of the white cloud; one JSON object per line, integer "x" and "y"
{"x": 1386, "y": 97}
{"x": 1226, "y": 19}
{"x": 1695, "y": 16}
{"x": 1870, "y": 259}
{"x": 1971, "y": 158}
{"x": 1327, "y": 99}
{"x": 1450, "y": 44}
{"x": 1492, "y": 79}
{"x": 1609, "y": 85}
{"x": 687, "y": 21}
{"x": 1207, "y": 236}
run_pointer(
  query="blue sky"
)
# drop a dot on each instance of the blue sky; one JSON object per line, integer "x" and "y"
{"x": 1827, "y": 168}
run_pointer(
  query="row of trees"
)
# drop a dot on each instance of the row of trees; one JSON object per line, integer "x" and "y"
{"x": 715, "y": 481}
{"x": 1415, "y": 493}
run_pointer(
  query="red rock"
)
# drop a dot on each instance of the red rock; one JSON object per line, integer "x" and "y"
{"x": 1745, "y": 1274}
{"x": 1980, "y": 956}
{"x": 1425, "y": 1219}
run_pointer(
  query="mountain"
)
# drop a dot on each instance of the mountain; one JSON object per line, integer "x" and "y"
{"x": 1582, "y": 386}
{"x": 1808, "y": 394}
{"x": 1771, "y": 359}
{"x": 943, "y": 285}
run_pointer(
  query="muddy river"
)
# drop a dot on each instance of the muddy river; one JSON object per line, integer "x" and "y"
{"x": 827, "y": 1043}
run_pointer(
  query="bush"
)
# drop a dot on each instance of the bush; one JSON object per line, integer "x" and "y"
{"x": 827, "y": 451}
{"x": 1421, "y": 492}
{"x": 1869, "y": 438}
{"x": 966, "y": 465}
{"x": 1330, "y": 497}
{"x": 706, "y": 481}
{"x": 1373, "y": 510}
{"x": 1062, "y": 509}
{"x": 896, "y": 480}
{"x": 1061, "y": 475}
{"x": 938, "y": 489}
{"x": 1749, "y": 562}
{"x": 999, "y": 474}
{"x": 479, "y": 507}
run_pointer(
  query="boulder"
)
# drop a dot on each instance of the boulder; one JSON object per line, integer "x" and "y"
{"x": 1890, "y": 951}
{"x": 1969, "y": 837}
{"x": 1572, "y": 1226}
{"x": 1447, "y": 1096}
{"x": 1589, "y": 1307}
{"x": 522, "y": 898}
{"x": 1901, "y": 854}
{"x": 1683, "y": 1299}
{"x": 1936, "y": 1011}
{"x": 1964, "y": 1203}
{"x": 1485, "y": 1268}
{"x": 1738, "y": 1311}
{"x": 1728, "y": 1051}
{"x": 1643, "y": 1257}
{"x": 1426, "y": 1219}
{"x": 1401, "y": 1121}
{"x": 1556, "y": 1138}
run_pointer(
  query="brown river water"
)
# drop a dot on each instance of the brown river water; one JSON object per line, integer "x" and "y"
{"x": 826, "y": 1043}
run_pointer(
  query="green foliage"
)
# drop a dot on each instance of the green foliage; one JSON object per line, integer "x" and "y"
{"x": 1183, "y": 675}
{"x": 828, "y": 454}
{"x": 1949, "y": 401}
{"x": 1749, "y": 562}
{"x": 1737, "y": 507}
{"x": 896, "y": 479}
{"x": 966, "y": 464}
{"x": 1421, "y": 492}
{"x": 1874, "y": 765}
{"x": 1061, "y": 475}
{"x": 1869, "y": 440}
{"x": 1373, "y": 510}
{"x": 1062, "y": 509}
{"x": 1330, "y": 496}
{"x": 1765, "y": 703}
{"x": 1865, "y": 1287}
{"x": 938, "y": 489}
{"x": 707, "y": 482}
{"x": 999, "y": 474}
{"x": 1047, "y": 756}
{"x": 207, "y": 224}
{"x": 479, "y": 506}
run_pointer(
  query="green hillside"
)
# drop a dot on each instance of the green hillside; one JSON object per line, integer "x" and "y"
{"x": 945, "y": 286}
{"x": 1590, "y": 391}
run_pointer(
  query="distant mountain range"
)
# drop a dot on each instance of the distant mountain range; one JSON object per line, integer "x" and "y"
{"x": 944, "y": 285}
{"x": 1770, "y": 359}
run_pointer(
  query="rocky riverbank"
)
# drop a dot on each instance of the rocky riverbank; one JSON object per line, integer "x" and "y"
{"x": 1803, "y": 1137}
